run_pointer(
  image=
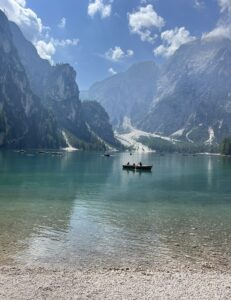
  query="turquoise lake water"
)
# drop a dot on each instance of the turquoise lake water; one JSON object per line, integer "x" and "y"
{"x": 82, "y": 209}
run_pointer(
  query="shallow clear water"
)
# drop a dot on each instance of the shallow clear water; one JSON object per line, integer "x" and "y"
{"x": 82, "y": 209}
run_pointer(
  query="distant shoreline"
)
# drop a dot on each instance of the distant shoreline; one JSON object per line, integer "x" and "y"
{"x": 214, "y": 154}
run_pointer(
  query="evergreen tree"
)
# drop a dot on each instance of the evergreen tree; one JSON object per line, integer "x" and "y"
{"x": 226, "y": 146}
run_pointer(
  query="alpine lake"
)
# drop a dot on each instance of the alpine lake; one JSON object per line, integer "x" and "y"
{"x": 82, "y": 210}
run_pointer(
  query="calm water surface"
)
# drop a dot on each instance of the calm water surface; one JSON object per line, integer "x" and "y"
{"x": 82, "y": 209}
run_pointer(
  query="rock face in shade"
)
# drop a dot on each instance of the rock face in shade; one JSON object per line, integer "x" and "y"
{"x": 24, "y": 122}
{"x": 98, "y": 120}
{"x": 39, "y": 101}
{"x": 37, "y": 69}
{"x": 55, "y": 85}
{"x": 126, "y": 94}
{"x": 61, "y": 95}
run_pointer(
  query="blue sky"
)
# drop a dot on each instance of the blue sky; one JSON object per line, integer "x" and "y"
{"x": 102, "y": 37}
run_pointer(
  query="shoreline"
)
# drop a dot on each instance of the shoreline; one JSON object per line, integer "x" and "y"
{"x": 20, "y": 282}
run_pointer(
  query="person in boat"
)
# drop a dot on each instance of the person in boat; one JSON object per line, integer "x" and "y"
{"x": 134, "y": 165}
{"x": 140, "y": 164}
{"x": 128, "y": 164}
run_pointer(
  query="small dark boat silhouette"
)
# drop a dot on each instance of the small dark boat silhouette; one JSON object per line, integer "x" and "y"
{"x": 143, "y": 168}
{"x": 107, "y": 154}
{"x": 137, "y": 167}
{"x": 129, "y": 167}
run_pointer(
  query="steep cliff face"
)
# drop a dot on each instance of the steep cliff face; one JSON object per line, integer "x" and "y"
{"x": 23, "y": 120}
{"x": 193, "y": 99}
{"x": 98, "y": 121}
{"x": 37, "y": 69}
{"x": 58, "y": 90}
{"x": 61, "y": 95}
{"x": 55, "y": 85}
{"x": 127, "y": 94}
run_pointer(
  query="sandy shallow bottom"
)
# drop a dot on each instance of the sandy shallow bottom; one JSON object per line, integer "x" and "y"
{"x": 18, "y": 282}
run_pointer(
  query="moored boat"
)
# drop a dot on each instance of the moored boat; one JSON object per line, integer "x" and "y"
{"x": 137, "y": 167}
{"x": 129, "y": 167}
{"x": 143, "y": 168}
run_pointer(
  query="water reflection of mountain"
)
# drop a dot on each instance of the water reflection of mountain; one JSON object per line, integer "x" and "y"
{"x": 37, "y": 194}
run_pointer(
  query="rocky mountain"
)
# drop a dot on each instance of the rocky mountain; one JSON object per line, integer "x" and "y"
{"x": 97, "y": 119}
{"x": 60, "y": 94}
{"x": 53, "y": 110}
{"x": 24, "y": 122}
{"x": 126, "y": 94}
{"x": 188, "y": 98}
{"x": 37, "y": 69}
{"x": 193, "y": 99}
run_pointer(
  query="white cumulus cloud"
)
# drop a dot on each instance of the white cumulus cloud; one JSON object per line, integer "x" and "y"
{"x": 144, "y": 21}
{"x": 116, "y": 54}
{"x": 34, "y": 29}
{"x": 45, "y": 49}
{"x": 223, "y": 27}
{"x": 112, "y": 71}
{"x": 172, "y": 40}
{"x": 100, "y": 7}
{"x": 24, "y": 17}
{"x": 219, "y": 31}
{"x": 225, "y": 5}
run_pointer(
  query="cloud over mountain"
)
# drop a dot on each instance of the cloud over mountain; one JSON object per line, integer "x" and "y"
{"x": 34, "y": 29}
{"x": 116, "y": 54}
{"x": 223, "y": 27}
{"x": 144, "y": 22}
{"x": 112, "y": 71}
{"x": 29, "y": 22}
{"x": 172, "y": 40}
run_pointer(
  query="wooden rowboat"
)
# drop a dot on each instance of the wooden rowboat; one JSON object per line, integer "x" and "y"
{"x": 144, "y": 168}
{"x": 129, "y": 167}
{"x": 137, "y": 167}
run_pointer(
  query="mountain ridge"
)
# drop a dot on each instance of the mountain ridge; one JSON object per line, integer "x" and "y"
{"x": 56, "y": 98}
{"x": 23, "y": 120}
{"x": 191, "y": 94}
{"x": 117, "y": 93}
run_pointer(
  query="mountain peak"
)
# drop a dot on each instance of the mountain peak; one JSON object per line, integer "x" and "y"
{"x": 3, "y": 17}
{"x": 128, "y": 93}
